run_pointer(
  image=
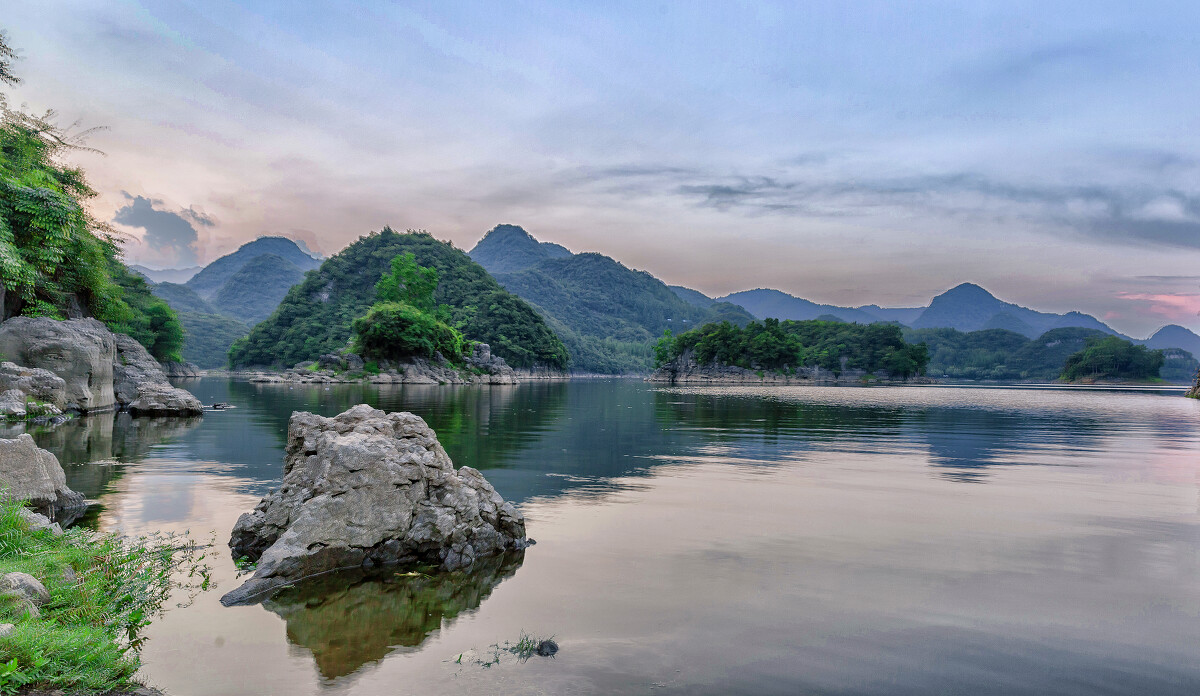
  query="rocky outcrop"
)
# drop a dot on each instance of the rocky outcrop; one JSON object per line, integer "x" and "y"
{"x": 367, "y": 488}
{"x": 80, "y": 352}
{"x": 1194, "y": 392}
{"x": 80, "y": 365}
{"x": 34, "y": 475}
{"x": 41, "y": 385}
{"x": 481, "y": 367}
{"x": 141, "y": 386}
{"x": 181, "y": 369}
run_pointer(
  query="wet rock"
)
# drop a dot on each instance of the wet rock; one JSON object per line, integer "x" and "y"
{"x": 547, "y": 648}
{"x": 41, "y": 385}
{"x": 79, "y": 351}
{"x": 34, "y": 475}
{"x": 25, "y": 585}
{"x": 140, "y": 385}
{"x": 39, "y": 523}
{"x": 366, "y": 488}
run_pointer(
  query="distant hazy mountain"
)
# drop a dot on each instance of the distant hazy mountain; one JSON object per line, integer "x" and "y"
{"x": 508, "y": 249}
{"x": 257, "y": 288}
{"x": 692, "y": 297}
{"x": 208, "y": 281}
{"x": 1174, "y": 336}
{"x": 182, "y": 298}
{"x": 969, "y": 307}
{"x": 904, "y": 315}
{"x": 608, "y": 315}
{"x": 763, "y": 303}
{"x": 166, "y": 275}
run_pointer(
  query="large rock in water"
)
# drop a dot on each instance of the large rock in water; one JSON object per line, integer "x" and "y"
{"x": 80, "y": 351}
{"x": 42, "y": 385}
{"x": 141, "y": 386}
{"x": 366, "y": 488}
{"x": 32, "y": 474}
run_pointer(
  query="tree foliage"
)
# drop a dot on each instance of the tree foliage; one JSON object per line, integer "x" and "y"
{"x": 772, "y": 344}
{"x": 56, "y": 259}
{"x": 1113, "y": 358}
{"x": 396, "y": 330}
{"x": 316, "y": 316}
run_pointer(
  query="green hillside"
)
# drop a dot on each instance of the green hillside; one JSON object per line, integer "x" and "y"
{"x": 182, "y": 298}
{"x": 999, "y": 354}
{"x": 208, "y": 282}
{"x": 315, "y": 317}
{"x": 607, "y": 314}
{"x": 207, "y": 338}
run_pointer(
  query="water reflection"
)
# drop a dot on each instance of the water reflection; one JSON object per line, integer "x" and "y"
{"x": 347, "y": 620}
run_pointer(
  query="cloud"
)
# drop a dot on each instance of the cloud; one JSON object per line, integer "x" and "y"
{"x": 1176, "y": 307}
{"x": 169, "y": 235}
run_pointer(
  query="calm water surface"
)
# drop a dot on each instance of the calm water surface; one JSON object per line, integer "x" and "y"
{"x": 710, "y": 541}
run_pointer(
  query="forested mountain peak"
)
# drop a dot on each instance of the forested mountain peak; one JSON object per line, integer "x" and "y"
{"x": 210, "y": 279}
{"x": 509, "y": 248}
{"x": 315, "y": 317}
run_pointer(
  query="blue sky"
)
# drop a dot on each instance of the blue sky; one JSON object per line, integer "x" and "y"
{"x": 844, "y": 152}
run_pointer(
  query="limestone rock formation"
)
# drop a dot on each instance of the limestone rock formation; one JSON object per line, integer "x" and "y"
{"x": 181, "y": 369}
{"x": 34, "y": 475}
{"x": 367, "y": 488}
{"x": 141, "y": 386}
{"x": 80, "y": 352}
{"x": 1194, "y": 392}
{"x": 42, "y": 385}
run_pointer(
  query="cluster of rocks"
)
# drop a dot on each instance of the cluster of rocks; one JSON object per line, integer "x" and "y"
{"x": 34, "y": 475}
{"x": 369, "y": 488}
{"x": 481, "y": 367}
{"x": 80, "y": 365}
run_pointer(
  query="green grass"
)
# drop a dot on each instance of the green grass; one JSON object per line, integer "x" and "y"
{"x": 88, "y": 636}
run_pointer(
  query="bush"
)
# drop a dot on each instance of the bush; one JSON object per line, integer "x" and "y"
{"x": 395, "y": 330}
{"x": 1113, "y": 358}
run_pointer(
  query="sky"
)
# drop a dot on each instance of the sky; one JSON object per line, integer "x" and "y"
{"x": 847, "y": 153}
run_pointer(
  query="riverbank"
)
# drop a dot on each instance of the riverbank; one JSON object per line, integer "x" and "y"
{"x": 76, "y": 604}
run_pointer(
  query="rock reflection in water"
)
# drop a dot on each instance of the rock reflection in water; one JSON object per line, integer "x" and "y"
{"x": 351, "y": 618}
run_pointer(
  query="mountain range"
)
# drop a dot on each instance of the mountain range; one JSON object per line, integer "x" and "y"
{"x": 218, "y": 303}
{"x": 606, "y": 313}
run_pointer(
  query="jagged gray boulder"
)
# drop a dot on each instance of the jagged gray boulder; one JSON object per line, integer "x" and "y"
{"x": 366, "y": 488}
{"x": 25, "y": 585}
{"x": 39, "y": 523}
{"x": 180, "y": 369}
{"x": 32, "y": 474}
{"x": 141, "y": 386}
{"x": 12, "y": 404}
{"x": 79, "y": 351}
{"x": 41, "y": 385}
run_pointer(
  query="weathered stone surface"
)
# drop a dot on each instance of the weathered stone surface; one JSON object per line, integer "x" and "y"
{"x": 42, "y": 385}
{"x": 1194, "y": 392}
{"x": 34, "y": 475}
{"x": 26, "y": 586}
{"x": 331, "y": 361}
{"x": 180, "y": 369}
{"x": 365, "y": 488}
{"x": 141, "y": 386}
{"x": 38, "y": 522}
{"x": 12, "y": 404}
{"x": 79, "y": 351}
{"x": 686, "y": 370}
{"x": 354, "y": 363}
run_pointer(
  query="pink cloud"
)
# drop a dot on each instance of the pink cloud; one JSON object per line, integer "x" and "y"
{"x": 1178, "y": 306}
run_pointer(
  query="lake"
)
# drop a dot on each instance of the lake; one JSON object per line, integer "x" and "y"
{"x": 795, "y": 540}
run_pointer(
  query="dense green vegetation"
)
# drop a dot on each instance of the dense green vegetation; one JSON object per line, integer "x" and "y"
{"x": 207, "y": 338}
{"x": 782, "y": 345}
{"x": 316, "y": 316}
{"x": 403, "y": 323}
{"x": 998, "y": 354}
{"x": 56, "y": 259}
{"x": 1113, "y": 358}
{"x": 608, "y": 314}
{"x": 104, "y": 589}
